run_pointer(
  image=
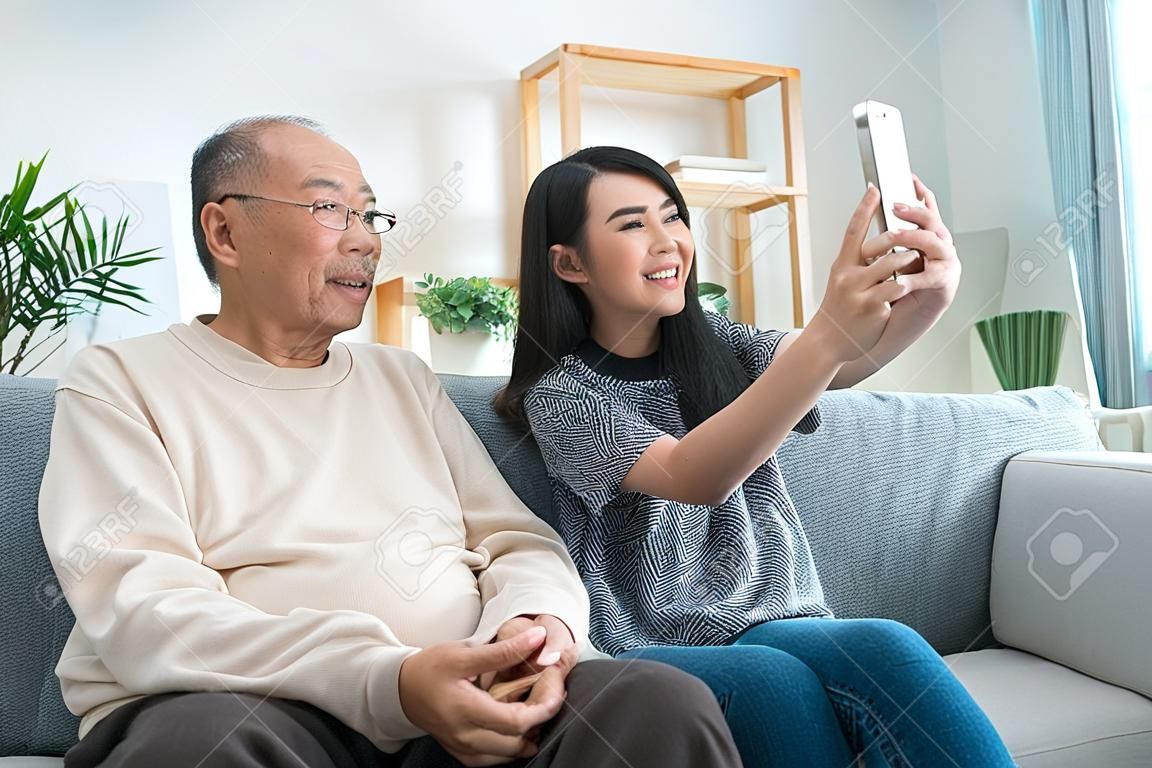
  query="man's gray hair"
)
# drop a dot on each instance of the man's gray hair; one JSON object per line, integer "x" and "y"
{"x": 225, "y": 162}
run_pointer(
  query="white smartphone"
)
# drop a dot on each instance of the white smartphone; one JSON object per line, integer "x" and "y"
{"x": 884, "y": 156}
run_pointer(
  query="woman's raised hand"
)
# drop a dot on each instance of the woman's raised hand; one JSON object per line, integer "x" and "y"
{"x": 857, "y": 302}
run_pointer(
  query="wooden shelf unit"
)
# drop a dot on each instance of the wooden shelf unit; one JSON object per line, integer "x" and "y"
{"x": 733, "y": 81}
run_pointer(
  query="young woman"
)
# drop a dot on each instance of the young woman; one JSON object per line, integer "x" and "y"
{"x": 659, "y": 422}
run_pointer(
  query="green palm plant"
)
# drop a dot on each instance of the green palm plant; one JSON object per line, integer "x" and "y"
{"x": 56, "y": 266}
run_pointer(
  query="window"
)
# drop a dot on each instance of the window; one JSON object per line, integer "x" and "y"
{"x": 1133, "y": 65}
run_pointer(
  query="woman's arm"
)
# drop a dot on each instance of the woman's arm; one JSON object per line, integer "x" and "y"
{"x": 710, "y": 462}
{"x": 903, "y": 329}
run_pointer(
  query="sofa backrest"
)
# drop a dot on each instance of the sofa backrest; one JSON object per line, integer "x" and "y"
{"x": 34, "y": 618}
{"x": 898, "y": 493}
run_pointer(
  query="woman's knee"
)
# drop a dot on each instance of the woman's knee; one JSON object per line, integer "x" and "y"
{"x": 895, "y": 656}
{"x": 770, "y": 673}
{"x": 748, "y": 673}
{"x": 900, "y": 641}
{"x": 756, "y": 684}
{"x": 839, "y": 647}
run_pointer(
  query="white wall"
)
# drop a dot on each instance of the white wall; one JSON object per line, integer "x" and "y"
{"x": 998, "y": 160}
{"x": 421, "y": 91}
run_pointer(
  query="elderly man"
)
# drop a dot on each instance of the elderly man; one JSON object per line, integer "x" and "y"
{"x": 285, "y": 550}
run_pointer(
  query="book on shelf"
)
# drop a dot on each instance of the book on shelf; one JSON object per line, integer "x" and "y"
{"x": 713, "y": 176}
{"x": 740, "y": 164}
{"x": 718, "y": 170}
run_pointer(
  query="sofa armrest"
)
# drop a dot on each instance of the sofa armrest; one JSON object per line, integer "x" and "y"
{"x": 1072, "y": 562}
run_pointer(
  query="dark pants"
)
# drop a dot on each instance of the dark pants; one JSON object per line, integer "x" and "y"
{"x": 618, "y": 713}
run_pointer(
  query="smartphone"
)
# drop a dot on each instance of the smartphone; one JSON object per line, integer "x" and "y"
{"x": 884, "y": 157}
{"x": 514, "y": 690}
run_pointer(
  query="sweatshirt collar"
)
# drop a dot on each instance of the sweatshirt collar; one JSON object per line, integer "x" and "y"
{"x": 243, "y": 365}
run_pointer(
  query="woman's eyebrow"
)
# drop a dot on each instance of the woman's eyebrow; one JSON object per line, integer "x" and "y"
{"x": 669, "y": 203}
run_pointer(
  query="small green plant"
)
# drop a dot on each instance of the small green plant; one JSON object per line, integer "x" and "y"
{"x": 467, "y": 304}
{"x": 54, "y": 265}
{"x": 712, "y": 298}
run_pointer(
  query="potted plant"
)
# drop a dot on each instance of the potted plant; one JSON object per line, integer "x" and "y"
{"x": 55, "y": 264}
{"x": 474, "y": 322}
{"x": 711, "y": 297}
{"x": 1024, "y": 347}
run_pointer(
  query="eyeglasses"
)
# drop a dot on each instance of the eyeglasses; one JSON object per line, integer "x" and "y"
{"x": 332, "y": 214}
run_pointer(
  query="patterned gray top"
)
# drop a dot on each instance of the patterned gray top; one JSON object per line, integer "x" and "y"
{"x": 662, "y": 572}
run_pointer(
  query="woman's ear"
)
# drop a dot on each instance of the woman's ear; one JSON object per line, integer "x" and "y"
{"x": 566, "y": 264}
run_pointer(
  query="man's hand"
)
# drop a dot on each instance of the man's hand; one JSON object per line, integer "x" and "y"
{"x": 558, "y": 653}
{"x": 438, "y": 693}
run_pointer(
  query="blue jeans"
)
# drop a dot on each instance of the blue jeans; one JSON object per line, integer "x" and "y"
{"x": 819, "y": 692}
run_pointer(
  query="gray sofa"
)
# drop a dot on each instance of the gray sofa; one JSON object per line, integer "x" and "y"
{"x": 994, "y": 524}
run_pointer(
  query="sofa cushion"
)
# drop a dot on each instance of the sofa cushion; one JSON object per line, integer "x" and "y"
{"x": 512, "y": 449}
{"x": 1053, "y": 717}
{"x": 899, "y": 495}
{"x": 36, "y": 618}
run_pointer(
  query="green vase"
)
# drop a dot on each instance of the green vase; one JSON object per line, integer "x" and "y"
{"x": 1024, "y": 347}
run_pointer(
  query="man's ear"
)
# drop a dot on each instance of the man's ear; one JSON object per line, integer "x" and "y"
{"x": 218, "y": 235}
{"x": 567, "y": 265}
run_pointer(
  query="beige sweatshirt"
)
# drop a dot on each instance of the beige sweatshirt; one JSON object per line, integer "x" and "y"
{"x": 221, "y": 524}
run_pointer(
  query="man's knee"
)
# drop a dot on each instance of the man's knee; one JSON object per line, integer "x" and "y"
{"x": 651, "y": 687}
{"x": 645, "y": 712}
{"x": 199, "y": 723}
{"x": 215, "y": 728}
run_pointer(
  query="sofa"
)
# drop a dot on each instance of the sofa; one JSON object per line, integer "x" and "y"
{"x": 995, "y": 525}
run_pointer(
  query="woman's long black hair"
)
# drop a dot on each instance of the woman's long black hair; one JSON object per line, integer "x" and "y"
{"x": 555, "y": 316}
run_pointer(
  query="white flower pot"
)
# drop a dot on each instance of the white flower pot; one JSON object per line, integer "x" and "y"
{"x": 472, "y": 353}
